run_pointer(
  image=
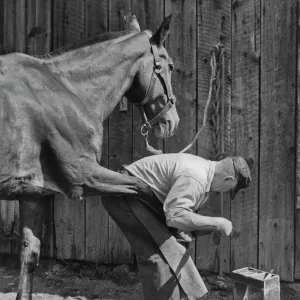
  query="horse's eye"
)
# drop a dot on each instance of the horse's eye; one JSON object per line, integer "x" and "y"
{"x": 171, "y": 66}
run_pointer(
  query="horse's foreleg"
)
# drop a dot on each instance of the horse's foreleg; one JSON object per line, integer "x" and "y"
{"x": 104, "y": 181}
{"x": 32, "y": 217}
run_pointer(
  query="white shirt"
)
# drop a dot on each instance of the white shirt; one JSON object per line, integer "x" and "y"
{"x": 179, "y": 180}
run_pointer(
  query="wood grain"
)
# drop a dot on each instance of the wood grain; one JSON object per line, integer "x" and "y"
{"x": 69, "y": 218}
{"x": 20, "y": 25}
{"x": 38, "y": 26}
{"x": 214, "y": 22}
{"x": 297, "y": 214}
{"x": 262, "y": 119}
{"x": 69, "y": 215}
{"x": 183, "y": 32}
{"x": 6, "y": 223}
{"x": 14, "y": 40}
{"x": 245, "y": 128}
{"x": 97, "y": 239}
{"x": 120, "y": 141}
{"x": 2, "y": 26}
{"x": 6, "y": 207}
{"x": 277, "y": 137}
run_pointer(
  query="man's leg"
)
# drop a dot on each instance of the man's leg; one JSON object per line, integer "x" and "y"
{"x": 158, "y": 280}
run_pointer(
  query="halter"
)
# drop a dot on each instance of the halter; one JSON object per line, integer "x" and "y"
{"x": 159, "y": 73}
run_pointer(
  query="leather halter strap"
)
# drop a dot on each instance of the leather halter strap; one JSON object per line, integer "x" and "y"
{"x": 157, "y": 73}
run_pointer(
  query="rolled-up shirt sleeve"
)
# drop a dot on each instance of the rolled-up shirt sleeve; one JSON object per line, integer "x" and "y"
{"x": 185, "y": 195}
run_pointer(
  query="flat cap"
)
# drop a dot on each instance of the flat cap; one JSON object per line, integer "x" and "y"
{"x": 242, "y": 174}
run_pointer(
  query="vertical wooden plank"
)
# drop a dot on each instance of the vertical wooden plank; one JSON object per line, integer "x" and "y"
{"x": 277, "y": 140}
{"x": 20, "y": 37}
{"x": 150, "y": 15}
{"x": 6, "y": 207}
{"x": 6, "y": 221}
{"x": 19, "y": 45}
{"x": 96, "y": 17}
{"x": 297, "y": 214}
{"x": 213, "y": 22}
{"x": 2, "y": 26}
{"x": 15, "y": 244}
{"x": 68, "y": 22}
{"x": 120, "y": 141}
{"x": 69, "y": 215}
{"x": 97, "y": 240}
{"x": 245, "y": 127}
{"x": 38, "y": 41}
{"x": 183, "y": 32}
{"x": 9, "y": 26}
{"x": 38, "y": 31}
{"x": 14, "y": 40}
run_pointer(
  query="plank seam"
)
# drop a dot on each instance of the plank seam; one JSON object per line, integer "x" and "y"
{"x": 85, "y": 200}
{"x": 231, "y": 122}
{"x": 197, "y": 98}
{"x": 108, "y": 151}
{"x": 259, "y": 133}
{"x": 107, "y": 141}
{"x": 164, "y": 14}
{"x": 296, "y": 137}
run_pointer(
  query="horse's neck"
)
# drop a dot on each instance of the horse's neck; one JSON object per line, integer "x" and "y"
{"x": 102, "y": 73}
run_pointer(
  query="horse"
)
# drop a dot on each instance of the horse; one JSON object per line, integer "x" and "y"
{"x": 52, "y": 110}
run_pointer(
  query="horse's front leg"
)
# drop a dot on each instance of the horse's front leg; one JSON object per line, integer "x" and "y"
{"x": 32, "y": 218}
{"x": 104, "y": 181}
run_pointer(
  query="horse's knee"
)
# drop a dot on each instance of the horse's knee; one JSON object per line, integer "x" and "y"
{"x": 30, "y": 250}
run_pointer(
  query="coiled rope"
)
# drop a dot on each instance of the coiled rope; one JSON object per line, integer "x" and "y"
{"x": 218, "y": 121}
{"x": 217, "y": 91}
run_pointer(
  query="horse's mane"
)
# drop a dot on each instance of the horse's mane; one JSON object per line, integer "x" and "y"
{"x": 91, "y": 41}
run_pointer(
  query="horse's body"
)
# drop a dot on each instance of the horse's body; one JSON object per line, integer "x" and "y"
{"x": 51, "y": 126}
{"x": 51, "y": 123}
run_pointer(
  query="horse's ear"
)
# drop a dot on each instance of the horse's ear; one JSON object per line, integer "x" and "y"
{"x": 132, "y": 23}
{"x": 161, "y": 34}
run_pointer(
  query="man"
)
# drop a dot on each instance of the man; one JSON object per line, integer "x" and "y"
{"x": 181, "y": 184}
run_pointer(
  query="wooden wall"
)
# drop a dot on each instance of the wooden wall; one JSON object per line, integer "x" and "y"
{"x": 261, "y": 45}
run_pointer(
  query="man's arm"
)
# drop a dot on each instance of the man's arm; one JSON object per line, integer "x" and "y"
{"x": 182, "y": 200}
{"x": 190, "y": 221}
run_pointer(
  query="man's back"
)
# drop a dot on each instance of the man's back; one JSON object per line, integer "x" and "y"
{"x": 161, "y": 171}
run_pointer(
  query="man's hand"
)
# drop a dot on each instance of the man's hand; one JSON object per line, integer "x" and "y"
{"x": 224, "y": 225}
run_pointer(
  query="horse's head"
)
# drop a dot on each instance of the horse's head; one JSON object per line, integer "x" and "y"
{"x": 151, "y": 89}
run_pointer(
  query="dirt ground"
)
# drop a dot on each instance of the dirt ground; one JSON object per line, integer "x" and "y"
{"x": 61, "y": 280}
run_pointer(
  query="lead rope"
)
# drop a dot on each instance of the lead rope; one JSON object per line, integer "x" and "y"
{"x": 213, "y": 66}
{"x": 212, "y": 85}
{"x": 216, "y": 91}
